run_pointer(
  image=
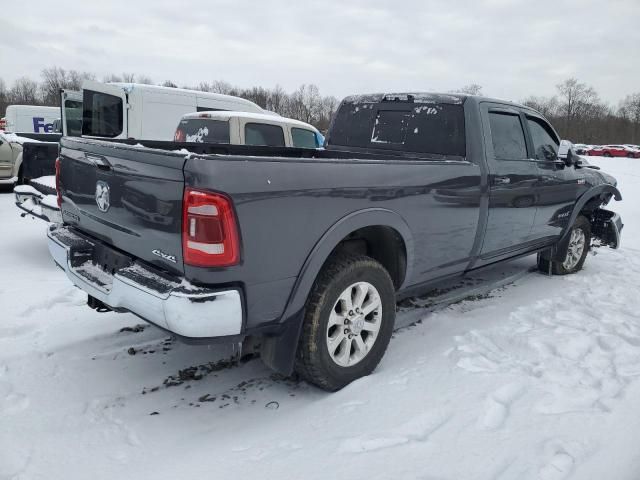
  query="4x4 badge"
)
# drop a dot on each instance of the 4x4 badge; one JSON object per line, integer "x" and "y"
{"x": 102, "y": 196}
{"x": 166, "y": 256}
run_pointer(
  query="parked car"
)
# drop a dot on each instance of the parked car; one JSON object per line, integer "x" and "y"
{"x": 242, "y": 128}
{"x": 10, "y": 157}
{"x": 305, "y": 251}
{"x": 633, "y": 147}
{"x": 581, "y": 148}
{"x": 614, "y": 151}
{"x": 147, "y": 112}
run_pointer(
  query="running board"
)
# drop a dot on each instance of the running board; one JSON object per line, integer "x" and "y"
{"x": 414, "y": 309}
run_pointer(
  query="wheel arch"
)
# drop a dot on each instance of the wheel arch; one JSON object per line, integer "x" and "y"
{"x": 278, "y": 352}
{"x": 598, "y": 195}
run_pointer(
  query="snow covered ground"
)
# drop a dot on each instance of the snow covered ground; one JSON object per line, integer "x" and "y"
{"x": 539, "y": 380}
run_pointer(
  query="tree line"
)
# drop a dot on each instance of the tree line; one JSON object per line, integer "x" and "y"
{"x": 576, "y": 111}
{"x": 305, "y": 103}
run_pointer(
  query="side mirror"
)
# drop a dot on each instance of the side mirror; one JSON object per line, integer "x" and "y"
{"x": 566, "y": 153}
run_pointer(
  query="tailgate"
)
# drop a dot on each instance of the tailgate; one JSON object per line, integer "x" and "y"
{"x": 127, "y": 196}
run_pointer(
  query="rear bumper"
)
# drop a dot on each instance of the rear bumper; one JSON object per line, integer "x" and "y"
{"x": 187, "y": 311}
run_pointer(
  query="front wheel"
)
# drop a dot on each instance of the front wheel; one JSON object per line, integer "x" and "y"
{"x": 579, "y": 242}
{"x": 348, "y": 322}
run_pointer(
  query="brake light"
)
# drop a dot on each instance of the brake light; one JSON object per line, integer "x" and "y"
{"x": 58, "y": 190}
{"x": 209, "y": 230}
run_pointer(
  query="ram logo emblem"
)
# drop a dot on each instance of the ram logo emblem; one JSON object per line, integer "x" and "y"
{"x": 102, "y": 196}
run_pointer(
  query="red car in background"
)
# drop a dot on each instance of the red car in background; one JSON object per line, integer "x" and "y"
{"x": 614, "y": 151}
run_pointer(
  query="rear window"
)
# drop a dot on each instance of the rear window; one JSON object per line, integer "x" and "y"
{"x": 303, "y": 138}
{"x": 433, "y": 128}
{"x": 101, "y": 114}
{"x": 261, "y": 134}
{"x": 202, "y": 130}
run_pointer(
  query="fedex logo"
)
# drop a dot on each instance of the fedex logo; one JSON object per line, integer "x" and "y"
{"x": 38, "y": 123}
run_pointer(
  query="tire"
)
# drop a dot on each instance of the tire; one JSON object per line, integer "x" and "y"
{"x": 323, "y": 345}
{"x": 575, "y": 257}
{"x": 630, "y": 155}
{"x": 606, "y": 154}
{"x": 523, "y": 202}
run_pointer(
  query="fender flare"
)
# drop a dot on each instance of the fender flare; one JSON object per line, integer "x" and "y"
{"x": 278, "y": 352}
{"x": 560, "y": 248}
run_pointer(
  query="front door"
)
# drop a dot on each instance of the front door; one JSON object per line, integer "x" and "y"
{"x": 559, "y": 186}
{"x": 512, "y": 183}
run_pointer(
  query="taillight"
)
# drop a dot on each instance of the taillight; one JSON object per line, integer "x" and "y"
{"x": 179, "y": 136}
{"x": 209, "y": 230}
{"x": 58, "y": 190}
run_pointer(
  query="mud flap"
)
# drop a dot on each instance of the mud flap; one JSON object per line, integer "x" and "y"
{"x": 278, "y": 352}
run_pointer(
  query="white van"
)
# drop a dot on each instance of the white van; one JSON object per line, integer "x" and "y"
{"x": 242, "y": 128}
{"x": 147, "y": 112}
{"x": 30, "y": 119}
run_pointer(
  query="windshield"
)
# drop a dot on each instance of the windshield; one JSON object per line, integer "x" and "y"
{"x": 102, "y": 114}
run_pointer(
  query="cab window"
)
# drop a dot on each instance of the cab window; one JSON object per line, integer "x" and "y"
{"x": 265, "y": 135}
{"x": 507, "y": 136}
{"x": 102, "y": 114}
{"x": 303, "y": 138}
{"x": 202, "y": 130}
{"x": 545, "y": 143}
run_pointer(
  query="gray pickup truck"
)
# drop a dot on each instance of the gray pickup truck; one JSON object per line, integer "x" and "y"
{"x": 306, "y": 251}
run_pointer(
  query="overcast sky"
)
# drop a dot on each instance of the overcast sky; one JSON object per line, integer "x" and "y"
{"x": 513, "y": 48}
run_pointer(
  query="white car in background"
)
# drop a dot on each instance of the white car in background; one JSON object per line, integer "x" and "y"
{"x": 243, "y": 128}
{"x": 10, "y": 157}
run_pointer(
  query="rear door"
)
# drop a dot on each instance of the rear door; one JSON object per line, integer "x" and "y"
{"x": 512, "y": 182}
{"x": 128, "y": 197}
{"x": 104, "y": 110}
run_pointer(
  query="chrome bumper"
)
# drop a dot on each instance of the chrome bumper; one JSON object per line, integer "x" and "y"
{"x": 186, "y": 311}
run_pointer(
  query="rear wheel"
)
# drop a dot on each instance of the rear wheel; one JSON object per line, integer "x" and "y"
{"x": 579, "y": 242}
{"x": 606, "y": 154}
{"x": 348, "y": 322}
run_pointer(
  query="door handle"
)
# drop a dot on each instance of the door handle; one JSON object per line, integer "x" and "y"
{"x": 98, "y": 161}
{"x": 501, "y": 180}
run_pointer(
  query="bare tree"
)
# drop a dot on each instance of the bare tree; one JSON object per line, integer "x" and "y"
{"x": 471, "y": 89}
{"x": 24, "y": 92}
{"x": 55, "y": 78}
{"x": 630, "y": 110}
{"x": 143, "y": 79}
{"x": 4, "y": 97}
{"x": 128, "y": 77}
{"x": 169, "y": 83}
{"x": 547, "y": 106}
